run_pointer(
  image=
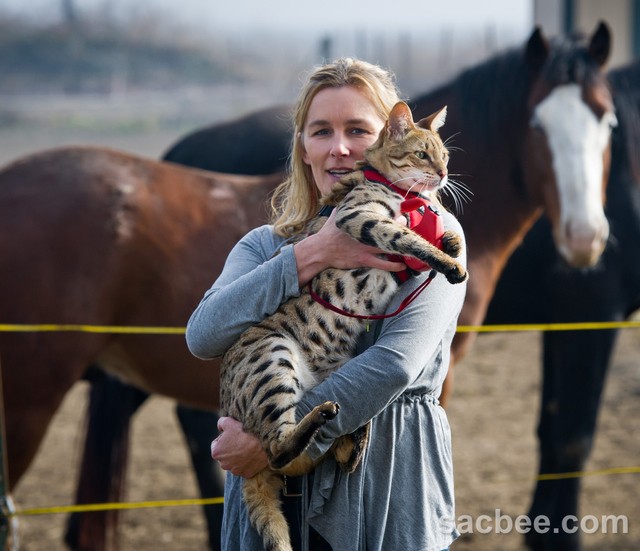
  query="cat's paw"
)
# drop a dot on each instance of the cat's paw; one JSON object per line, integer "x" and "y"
{"x": 451, "y": 243}
{"x": 344, "y": 450}
{"x": 457, "y": 274}
{"x": 349, "y": 449}
{"x": 327, "y": 411}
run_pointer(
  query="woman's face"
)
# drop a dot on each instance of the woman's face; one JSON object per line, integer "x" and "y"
{"x": 341, "y": 124}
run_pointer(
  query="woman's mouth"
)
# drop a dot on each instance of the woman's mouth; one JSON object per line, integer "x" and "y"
{"x": 338, "y": 173}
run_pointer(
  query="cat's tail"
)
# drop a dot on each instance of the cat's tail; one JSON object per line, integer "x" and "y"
{"x": 262, "y": 497}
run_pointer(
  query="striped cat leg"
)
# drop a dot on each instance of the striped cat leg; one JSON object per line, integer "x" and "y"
{"x": 296, "y": 441}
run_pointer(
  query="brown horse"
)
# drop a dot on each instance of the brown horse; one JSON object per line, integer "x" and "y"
{"x": 102, "y": 237}
{"x": 121, "y": 240}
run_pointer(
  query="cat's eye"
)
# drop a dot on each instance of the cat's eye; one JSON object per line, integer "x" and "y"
{"x": 421, "y": 154}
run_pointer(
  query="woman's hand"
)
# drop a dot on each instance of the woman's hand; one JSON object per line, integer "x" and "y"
{"x": 237, "y": 451}
{"x": 333, "y": 248}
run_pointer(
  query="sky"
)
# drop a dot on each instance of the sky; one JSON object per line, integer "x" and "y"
{"x": 428, "y": 16}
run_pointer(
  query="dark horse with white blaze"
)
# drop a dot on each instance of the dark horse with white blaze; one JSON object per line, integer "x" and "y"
{"x": 538, "y": 287}
{"x": 131, "y": 212}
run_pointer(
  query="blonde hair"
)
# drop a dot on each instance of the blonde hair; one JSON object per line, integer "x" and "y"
{"x": 296, "y": 200}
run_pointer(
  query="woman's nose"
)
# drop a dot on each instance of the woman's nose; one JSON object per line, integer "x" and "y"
{"x": 339, "y": 149}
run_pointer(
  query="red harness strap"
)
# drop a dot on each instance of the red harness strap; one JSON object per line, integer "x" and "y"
{"x": 407, "y": 300}
{"x": 426, "y": 221}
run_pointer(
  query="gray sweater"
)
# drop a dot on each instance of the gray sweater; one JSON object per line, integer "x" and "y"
{"x": 401, "y": 496}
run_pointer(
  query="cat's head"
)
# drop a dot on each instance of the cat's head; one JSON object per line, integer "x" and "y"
{"x": 411, "y": 155}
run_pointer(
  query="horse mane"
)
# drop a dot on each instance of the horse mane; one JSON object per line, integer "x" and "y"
{"x": 484, "y": 93}
{"x": 626, "y": 97}
{"x": 480, "y": 93}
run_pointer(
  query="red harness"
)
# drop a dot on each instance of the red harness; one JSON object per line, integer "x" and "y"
{"x": 426, "y": 221}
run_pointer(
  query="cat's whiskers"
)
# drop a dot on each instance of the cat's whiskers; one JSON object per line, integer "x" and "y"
{"x": 454, "y": 148}
{"x": 451, "y": 147}
{"x": 459, "y": 193}
{"x": 463, "y": 188}
{"x": 407, "y": 191}
{"x": 423, "y": 182}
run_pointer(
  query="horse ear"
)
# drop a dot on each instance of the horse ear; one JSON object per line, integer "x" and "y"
{"x": 600, "y": 45}
{"x": 400, "y": 121}
{"x": 434, "y": 121}
{"x": 537, "y": 50}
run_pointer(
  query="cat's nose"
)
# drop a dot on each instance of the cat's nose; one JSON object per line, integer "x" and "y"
{"x": 443, "y": 173}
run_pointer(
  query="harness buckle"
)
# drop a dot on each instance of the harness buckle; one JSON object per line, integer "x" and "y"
{"x": 292, "y": 486}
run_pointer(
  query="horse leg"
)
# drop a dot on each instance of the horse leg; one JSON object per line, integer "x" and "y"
{"x": 575, "y": 365}
{"x": 33, "y": 386}
{"x": 200, "y": 428}
{"x": 103, "y": 469}
{"x": 25, "y": 431}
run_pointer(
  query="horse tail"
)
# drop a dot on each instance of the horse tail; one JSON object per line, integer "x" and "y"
{"x": 104, "y": 461}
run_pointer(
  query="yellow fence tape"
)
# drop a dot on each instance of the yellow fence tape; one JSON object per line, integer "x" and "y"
{"x": 115, "y": 506}
{"x": 142, "y": 330}
{"x": 219, "y": 500}
{"x": 79, "y": 328}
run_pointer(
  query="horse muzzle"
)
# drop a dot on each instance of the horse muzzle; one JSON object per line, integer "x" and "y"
{"x": 581, "y": 245}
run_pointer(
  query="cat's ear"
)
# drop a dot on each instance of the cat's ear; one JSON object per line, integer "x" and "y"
{"x": 400, "y": 121}
{"x": 434, "y": 121}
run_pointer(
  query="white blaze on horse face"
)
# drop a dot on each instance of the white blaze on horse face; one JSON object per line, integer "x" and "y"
{"x": 577, "y": 140}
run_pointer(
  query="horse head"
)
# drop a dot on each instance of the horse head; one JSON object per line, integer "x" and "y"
{"x": 567, "y": 146}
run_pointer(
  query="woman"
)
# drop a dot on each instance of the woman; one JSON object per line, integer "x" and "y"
{"x": 401, "y": 496}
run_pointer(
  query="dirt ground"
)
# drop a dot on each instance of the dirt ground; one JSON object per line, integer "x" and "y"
{"x": 493, "y": 416}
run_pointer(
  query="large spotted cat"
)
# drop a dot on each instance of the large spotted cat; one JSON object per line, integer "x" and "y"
{"x": 265, "y": 373}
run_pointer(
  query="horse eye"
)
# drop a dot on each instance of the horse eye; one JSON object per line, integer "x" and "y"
{"x": 421, "y": 154}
